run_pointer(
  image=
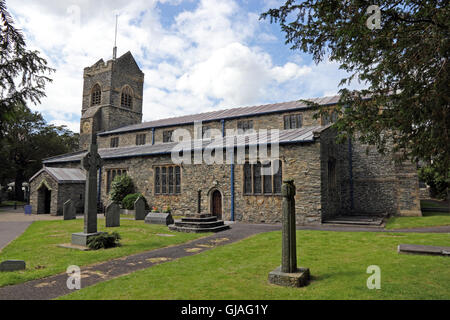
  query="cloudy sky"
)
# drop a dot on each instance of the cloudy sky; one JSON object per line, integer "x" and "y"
{"x": 197, "y": 55}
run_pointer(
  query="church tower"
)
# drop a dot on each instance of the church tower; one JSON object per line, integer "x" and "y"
{"x": 112, "y": 96}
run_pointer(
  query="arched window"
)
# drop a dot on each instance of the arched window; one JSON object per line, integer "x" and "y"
{"x": 127, "y": 98}
{"x": 96, "y": 96}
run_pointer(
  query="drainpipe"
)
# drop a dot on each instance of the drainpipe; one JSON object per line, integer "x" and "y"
{"x": 153, "y": 136}
{"x": 350, "y": 172}
{"x": 232, "y": 173}
{"x": 232, "y": 185}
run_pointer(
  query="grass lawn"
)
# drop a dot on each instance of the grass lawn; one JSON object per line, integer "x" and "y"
{"x": 429, "y": 219}
{"x": 38, "y": 247}
{"x": 338, "y": 262}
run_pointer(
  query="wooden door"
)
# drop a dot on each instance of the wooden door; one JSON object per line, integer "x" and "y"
{"x": 217, "y": 204}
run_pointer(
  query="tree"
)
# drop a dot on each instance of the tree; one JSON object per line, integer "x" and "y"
{"x": 22, "y": 72}
{"x": 404, "y": 63}
{"x": 121, "y": 186}
{"x": 26, "y": 142}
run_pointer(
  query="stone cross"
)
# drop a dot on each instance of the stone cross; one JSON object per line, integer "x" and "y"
{"x": 199, "y": 201}
{"x": 289, "y": 249}
{"x": 91, "y": 162}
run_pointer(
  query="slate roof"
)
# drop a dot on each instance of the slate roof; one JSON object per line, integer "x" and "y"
{"x": 64, "y": 175}
{"x": 225, "y": 114}
{"x": 302, "y": 135}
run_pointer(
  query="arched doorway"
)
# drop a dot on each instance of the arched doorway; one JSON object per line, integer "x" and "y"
{"x": 216, "y": 204}
{"x": 44, "y": 200}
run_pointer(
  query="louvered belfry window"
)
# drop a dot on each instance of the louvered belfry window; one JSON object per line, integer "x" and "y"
{"x": 96, "y": 97}
{"x": 127, "y": 98}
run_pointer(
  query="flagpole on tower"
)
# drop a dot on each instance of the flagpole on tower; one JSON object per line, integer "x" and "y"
{"x": 115, "y": 40}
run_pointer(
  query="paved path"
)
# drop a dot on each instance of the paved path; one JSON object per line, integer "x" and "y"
{"x": 55, "y": 286}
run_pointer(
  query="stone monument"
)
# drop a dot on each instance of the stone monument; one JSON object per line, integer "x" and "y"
{"x": 112, "y": 215}
{"x": 91, "y": 163}
{"x": 288, "y": 274}
{"x": 139, "y": 208}
{"x": 69, "y": 211}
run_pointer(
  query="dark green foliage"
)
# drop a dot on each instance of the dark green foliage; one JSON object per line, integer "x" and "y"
{"x": 129, "y": 200}
{"x": 104, "y": 241}
{"x": 404, "y": 64}
{"x": 437, "y": 182}
{"x": 121, "y": 187}
{"x": 22, "y": 72}
{"x": 26, "y": 142}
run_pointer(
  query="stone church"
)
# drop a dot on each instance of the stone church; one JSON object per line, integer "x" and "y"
{"x": 331, "y": 179}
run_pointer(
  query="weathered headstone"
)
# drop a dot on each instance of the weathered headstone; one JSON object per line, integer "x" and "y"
{"x": 159, "y": 218}
{"x": 139, "y": 208}
{"x": 288, "y": 274}
{"x": 12, "y": 265}
{"x": 69, "y": 211}
{"x": 91, "y": 162}
{"x": 112, "y": 215}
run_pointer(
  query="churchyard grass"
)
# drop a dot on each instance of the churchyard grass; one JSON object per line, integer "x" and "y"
{"x": 338, "y": 262}
{"x": 429, "y": 219}
{"x": 38, "y": 246}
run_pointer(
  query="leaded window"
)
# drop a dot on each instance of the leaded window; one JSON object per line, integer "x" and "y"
{"x": 293, "y": 121}
{"x": 168, "y": 136}
{"x": 167, "y": 180}
{"x": 114, "y": 143}
{"x": 141, "y": 139}
{"x": 267, "y": 182}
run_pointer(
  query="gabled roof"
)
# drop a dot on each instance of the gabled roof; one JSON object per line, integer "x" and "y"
{"x": 63, "y": 175}
{"x": 225, "y": 114}
{"x": 296, "y": 136}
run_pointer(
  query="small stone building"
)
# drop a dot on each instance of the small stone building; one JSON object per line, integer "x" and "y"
{"x": 331, "y": 179}
{"x": 52, "y": 187}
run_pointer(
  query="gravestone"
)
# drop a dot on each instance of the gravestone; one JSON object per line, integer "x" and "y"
{"x": 139, "y": 208}
{"x": 288, "y": 274}
{"x": 159, "y": 218}
{"x": 69, "y": 211}
{"x": 91, "y": 163}
{"x": 12, "y": 265}
{"x": 112, "y": 215}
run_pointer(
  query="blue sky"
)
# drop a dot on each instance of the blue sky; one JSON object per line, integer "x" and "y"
{"x": 197, "y": 56}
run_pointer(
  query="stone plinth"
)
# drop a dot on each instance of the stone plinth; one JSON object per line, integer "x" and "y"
{"x": 297, "y": 279}
{"x": 82, "y": 239}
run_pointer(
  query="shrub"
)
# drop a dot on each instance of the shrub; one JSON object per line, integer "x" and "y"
{"x": 167, "y": 210}
{"x": 104, "y": 241}
{"x": 436, "y": 181}
{"x": 129, "y": 200}
{"x": 121, "y": 187}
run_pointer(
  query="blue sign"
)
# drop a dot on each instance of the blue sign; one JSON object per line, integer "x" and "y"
{"x": 27, "y": 209}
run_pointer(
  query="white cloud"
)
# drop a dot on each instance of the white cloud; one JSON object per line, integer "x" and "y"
{"x": 202, "y": 61}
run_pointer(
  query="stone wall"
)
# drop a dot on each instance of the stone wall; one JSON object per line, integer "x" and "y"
{"x": 300, "y": 162}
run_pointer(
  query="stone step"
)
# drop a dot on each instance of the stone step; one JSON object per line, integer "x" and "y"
{"x": 197, "y": 230}
{"x": 355, "y": 223}
{"x": 195, "y": 219}
{"x": 199, "y": 225}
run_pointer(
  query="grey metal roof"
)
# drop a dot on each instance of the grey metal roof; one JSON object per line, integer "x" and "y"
{"x": 64, "y": 175}
{"x": 225, "y": 114}
{"x": 302, "y": 135}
